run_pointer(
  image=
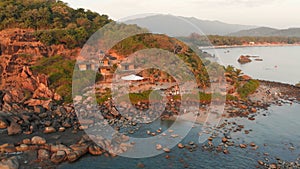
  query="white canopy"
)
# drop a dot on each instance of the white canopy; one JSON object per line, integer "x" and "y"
{"x": 132, "y": 77}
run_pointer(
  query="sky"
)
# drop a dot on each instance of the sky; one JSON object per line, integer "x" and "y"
{"x": 272, "y": 13}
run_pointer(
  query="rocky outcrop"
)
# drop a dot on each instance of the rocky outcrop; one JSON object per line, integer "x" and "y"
{"x": 24, "y": 42}
{"x": 19, "y": 86}
{"x": 244, "y": 59}
{"x": 24, "y": 88}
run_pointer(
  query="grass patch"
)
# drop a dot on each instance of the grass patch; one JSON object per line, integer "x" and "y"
{"x": 248, "y": 88}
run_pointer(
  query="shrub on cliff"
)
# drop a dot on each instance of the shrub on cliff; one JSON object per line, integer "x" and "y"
{"x": 248, "y": 88}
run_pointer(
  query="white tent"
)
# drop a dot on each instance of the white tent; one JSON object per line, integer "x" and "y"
{"x": 132, "y": 78}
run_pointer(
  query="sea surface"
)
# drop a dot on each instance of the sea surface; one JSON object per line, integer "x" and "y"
{"x": 281, "y": 64}
{"x": 274, "y": 133}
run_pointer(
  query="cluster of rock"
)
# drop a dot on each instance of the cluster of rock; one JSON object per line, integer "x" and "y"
{"x": 278, "y": 164}
{"x": 247, "y": 109}
{"x": 19, "y": 86}
{"x": 58, "y": 118}
{"x": 23, "y": 41}
{"x": 21, "y": 90}
{"x": 223, "y": 131}
{"x": 58, "y": 153}
{"x": 244, "y": 59}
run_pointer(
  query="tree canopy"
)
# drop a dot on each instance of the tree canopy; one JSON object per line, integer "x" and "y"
{"x": 54, "y": 21}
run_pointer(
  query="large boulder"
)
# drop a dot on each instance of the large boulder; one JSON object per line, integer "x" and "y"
{"x": 244, "y": 59}
{"x": 10, "y": 163}
{"x": 3, "y": 123}
{"x": 43, "y": 92}
{"x": 58, "y": 157}
{"x": 47, "y": 104}
{"x": 37, "y": 140}
{"x": 14, "y": 128}
{"x": 43, "y": 154}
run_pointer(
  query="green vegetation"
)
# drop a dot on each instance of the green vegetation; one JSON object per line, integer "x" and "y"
{"x": 101, "y": 98}
{"x": 55, "y": 21}
{"x": 60, "y": 73}
{"x": 234, "y": 74}
{"x": 231, "y": 40}
{"x": 231, "y": 97}
{"x": 248, "y": 88}
{"x": 136, "y": 97}
{"x": 191, "y": 58}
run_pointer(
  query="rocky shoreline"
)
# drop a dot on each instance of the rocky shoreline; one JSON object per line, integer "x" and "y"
{"x": 47, "y": 138}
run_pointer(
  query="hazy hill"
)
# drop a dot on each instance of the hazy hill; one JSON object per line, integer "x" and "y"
{"x": 266, "y": 31}
{"x": 180, "y": 26}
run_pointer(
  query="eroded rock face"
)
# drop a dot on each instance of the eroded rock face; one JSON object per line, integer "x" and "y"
{"x": 19, "y": 86}
{"x": 26, "y": 88}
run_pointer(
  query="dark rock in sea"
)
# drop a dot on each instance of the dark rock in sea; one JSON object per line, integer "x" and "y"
{"x": 224, "y": 140}
{"x": 243, "y": 145}
{"x": 60, "y": 147}
{"x": 37, "y": 140}
{"x": 180, "y": 145}
{"x": 78, "y": 151}
{"x": 252, "y": 144}
{"x": 8, "y": 148}
{"x": 95, "y": 150}
{"x": 49, "y": 130}
{"x": 22, "y": 148}
{"x": 244, "y": 59}
{"x": 260, "y": 162}
{"x": 167, "y": 150}
{"x": 251, "y": 118}
{"x": 226, "y": 151}
{"x": 141, "y": 165}
{"x": 43, "y": 154}
{"x": 3, "y": 123}
{"x": 58, "y": 157}
{"x": 14, "y": 128}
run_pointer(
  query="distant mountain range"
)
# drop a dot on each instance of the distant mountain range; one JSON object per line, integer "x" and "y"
{"x": 266, "y": 31}
{"x": 183, "y": 26}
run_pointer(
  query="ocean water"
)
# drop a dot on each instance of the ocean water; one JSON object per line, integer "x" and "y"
{"x": 279, "y": 64}
{"x": 274, "y": 133}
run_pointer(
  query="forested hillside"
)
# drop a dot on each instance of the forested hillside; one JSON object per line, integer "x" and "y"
{"x": 54, "y": 21}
